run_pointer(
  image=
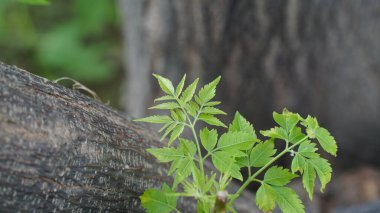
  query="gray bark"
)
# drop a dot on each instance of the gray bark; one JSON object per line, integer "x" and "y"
{"x": 314, "y": 57}
{"x": 63, "y": 151}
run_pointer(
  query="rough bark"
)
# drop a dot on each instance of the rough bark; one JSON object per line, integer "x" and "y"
{"x": 315, "y": 57}
{"x": 63, "y": 151}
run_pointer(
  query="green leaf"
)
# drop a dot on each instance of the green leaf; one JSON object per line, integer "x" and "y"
{"x": 166, "y": 154}
{"x": 212, "y": 103}
{"x": 296, "y": 135}
{"x": 278, "y": 176}
{"x": 323, "y": 136}
{"x": 307, "y": 149}
{"x": 207, "y": 92}
{"x": 167, "y": 105}
{"x": 298, "y": 163}
{"x": 262, "y": 153}
{"x": 265, "y": 198}
{"x": 179, "y": 88}
{"x": 213, "y": 111}
{"x": 308, "y": 179}
{"x": 241, "y": 124}
{"x": 288, "y": 200}
{"x": 225, "y": 164}
{"x": 187, "y": 147}
{"x": 327, "y": 141}
{"x": 158, "y": 119}
{"x": 169, "y": 129}
{"x": 184, "y": 168}
{"x": 232, "y": 141}
{"x": 208, "y": 138}
{"x": 286, "y": 120}
{"x": 323, "y": 169}
{"x": 164, "y": 98}
{"x": 154, "y": 200}
{"x": 276, "y": 132}
{"x": 176, "y": 132}
{"x": 211, "y": 120}
{"x": 165, "y": 84}
{"x": 187, "y": 95}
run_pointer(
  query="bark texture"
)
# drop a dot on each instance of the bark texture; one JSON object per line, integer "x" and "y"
{"x": 62, "y": 151}
{"x": 317, "y": 57}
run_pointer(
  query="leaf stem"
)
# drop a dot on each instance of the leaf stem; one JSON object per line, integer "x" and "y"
{"x": 252, "y": 178}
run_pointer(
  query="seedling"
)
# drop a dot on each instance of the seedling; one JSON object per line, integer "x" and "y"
{"x": 238, "y": 147}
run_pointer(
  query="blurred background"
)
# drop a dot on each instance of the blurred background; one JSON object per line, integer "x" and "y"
{"x": 316, "y": 57}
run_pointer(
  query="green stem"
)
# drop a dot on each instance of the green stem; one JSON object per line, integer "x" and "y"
{"x": 252, "y": 178}
{"x": 199, "y": 150}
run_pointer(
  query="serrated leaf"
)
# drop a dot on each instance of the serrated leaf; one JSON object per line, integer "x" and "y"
{"x": 187, "y": 147}
{"x": 213, "y": 111}
{"x": 262, "y": 153}
{"x": 176, "y": 132}
{"x": 169, "y": 129}
{"x": 187, "y": 95}
{"x": 179, "y": 88}
{"x": 184, "y": 169}
{"x": 296, "y": 135}
{"x": 212, "y": 103}
{"x": 323, "y": 169}
{"x": 265, "y": 198}
{"x": 154, "y": 200}
{"x": 164, "y": 98}
{"x": 165, "y": 84}
{"x": 165, "y": 126}
{"x": 286, "y": 120}
{"x": 232, "y": 141}
{"x": 241, "y": 124}
{"x": 327, "y": 141}
{"x": 211, "y": 120}
{"x": 298, "y": 163}
{"x": 278, "y": 176}
{"x": 166, "y": 154}
{"x": 225, "y": 164}
{"x": 208, "y": 138}
{"x": 167, "y": 105}
{"x": 276, "y": 132}
{"x": 310, "y": 122}
{"x": 158, "y": 119}
{"x": 288, "y": 200}
{"x": 307, "y": 149}
{"x": 308, "y": 178}
{"x": 207, "y": 92}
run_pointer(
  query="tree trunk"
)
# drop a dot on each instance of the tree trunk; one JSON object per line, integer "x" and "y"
{"x": 62, "y": 151}
{"x": 314, "y": 57}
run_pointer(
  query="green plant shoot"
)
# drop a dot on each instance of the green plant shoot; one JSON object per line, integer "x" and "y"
{"x": 237, "y": 147}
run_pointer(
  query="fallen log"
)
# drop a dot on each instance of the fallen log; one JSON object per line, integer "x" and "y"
{"x": 63, "y": 151}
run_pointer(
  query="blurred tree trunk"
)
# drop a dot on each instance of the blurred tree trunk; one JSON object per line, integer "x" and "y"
{"x": 62, "y": 151}
{"x": 317, "y": 57}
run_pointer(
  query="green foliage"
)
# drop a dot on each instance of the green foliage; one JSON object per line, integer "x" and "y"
{"x": 62, "y": 38}
{"x": 231, "y": 151}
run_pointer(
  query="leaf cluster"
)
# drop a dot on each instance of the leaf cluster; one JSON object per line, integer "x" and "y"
{"x": 238, "y": 147}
